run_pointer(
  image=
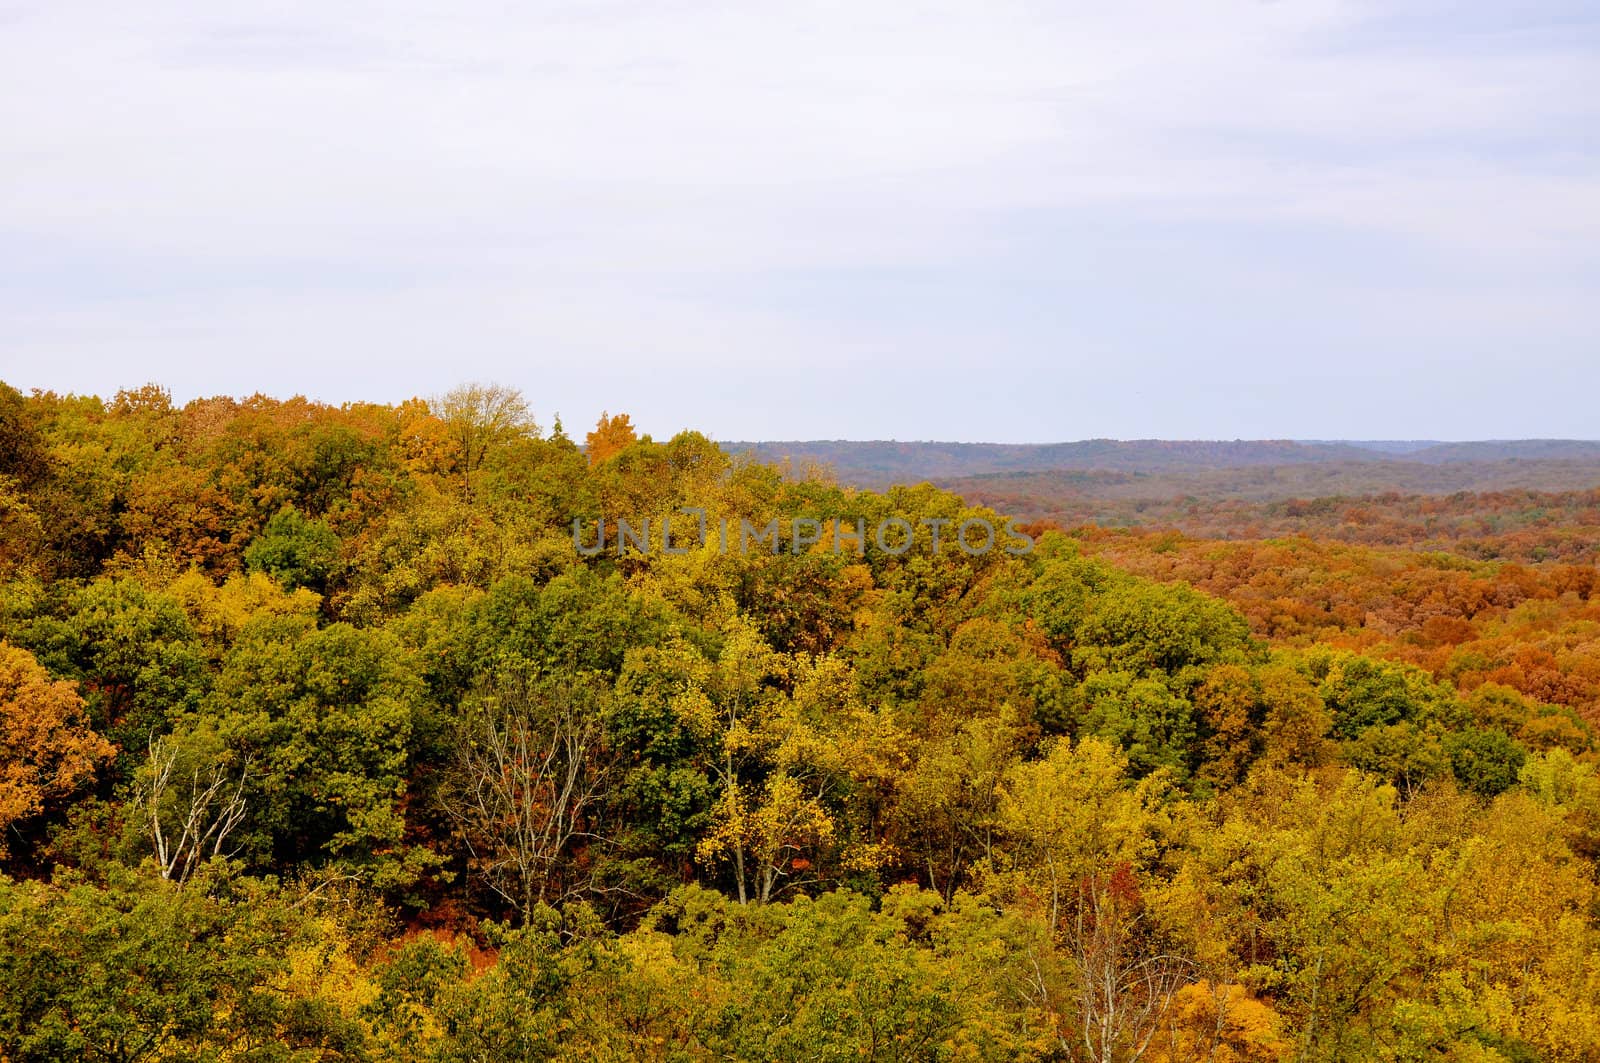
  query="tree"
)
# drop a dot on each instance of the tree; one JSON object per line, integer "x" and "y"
{"x": 327, "y": 717}
{"x": 1484, "y": 761}
{"x": 947, "y": 808}
{"x": 1334, "y": 912}
{"x": 294, "y": 551}
{"x": 775, "y": 767}
{"x": 1141, "y": 626}
{"x": 138, "y": 970}
{"x": 24, "y": 462}
{"x": 843, "y": 977}
{"x": 1220, "y": 1023}
{"x": 190, "y": 817}
{"x": 22, "y": 533}
{"x": 133, "y": 651}
{"x": 1074, "y": 836}
{"x": 611, "y": 436}
{"x": 1229, "y": 708}
{"x": 1295, "y": 730}
{"x": 837, "y": 983}
{"x": 46, "y": 746}
{"x": 766, "y": 830}
{"x": 545, "y": 998}
{"x": 530, "y": 762}
{"x": 1070, "y": 815}
{"x": 1144, "y": 715}
{"x": 1361, "y": 692}
{"x": 477, "y": 417}
{"x": 1126, "y": 981}
{"x": 23, "y": 456}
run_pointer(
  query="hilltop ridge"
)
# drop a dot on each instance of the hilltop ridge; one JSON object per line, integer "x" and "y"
{"x": 877, "y": 463}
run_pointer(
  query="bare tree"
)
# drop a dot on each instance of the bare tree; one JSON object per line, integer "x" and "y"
{"x": 528, "y": 768}
{"x": 203, "y": 813}
{"x": 1125, "y": 983}
{"x": 478, "y": 416}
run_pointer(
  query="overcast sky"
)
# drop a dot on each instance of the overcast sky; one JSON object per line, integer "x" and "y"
{"x": 969, "y": 221}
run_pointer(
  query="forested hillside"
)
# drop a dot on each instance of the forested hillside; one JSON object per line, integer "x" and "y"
{"x": 1419, "y": 465}
{"x": 1513, "y": 525}
{"x": 322, "y": 737}
{"x": 1521, "y": 500}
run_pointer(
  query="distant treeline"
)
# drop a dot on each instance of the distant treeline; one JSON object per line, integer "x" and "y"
{"x": 1515, "y": 525}
{"x": 878, "y": 463}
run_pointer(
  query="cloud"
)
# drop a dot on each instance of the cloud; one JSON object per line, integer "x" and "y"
{"x": 497, "y": 189}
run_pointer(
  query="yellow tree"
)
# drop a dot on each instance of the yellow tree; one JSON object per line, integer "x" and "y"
{"x": 779, "y": 762}
{"x": 477, "y": 417}
{"x": 1076, "y": 833}
{"x": 22, "y": 532}
{"x": 1220, "y": 1023}
{"x": 46, "y": 746}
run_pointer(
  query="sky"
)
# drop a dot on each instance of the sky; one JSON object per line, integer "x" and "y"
{"x": 1001, "y": 221}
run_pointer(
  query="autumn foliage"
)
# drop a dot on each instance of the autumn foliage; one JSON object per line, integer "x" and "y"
{"x": 610, "y": 437}
{"x": 320, "y": 740}
{"x": 46, "y": 747}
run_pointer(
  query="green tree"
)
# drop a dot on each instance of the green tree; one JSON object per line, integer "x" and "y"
{"x": 1484, "y": 761}
{"x": 1141, "y": 627}
{"x": 294, "y": 551}
{"x": 133, "y": 651}
{"x": 142, "y": 971}
{"x": 326, "y": 717}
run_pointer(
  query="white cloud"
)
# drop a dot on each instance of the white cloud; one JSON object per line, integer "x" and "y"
{"x": 612, "y": 181}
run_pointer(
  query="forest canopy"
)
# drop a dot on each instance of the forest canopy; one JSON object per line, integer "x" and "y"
{"x": 319, "y": 740}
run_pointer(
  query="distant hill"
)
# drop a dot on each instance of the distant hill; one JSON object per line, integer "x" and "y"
{"x": 1530, "y": 499}
{"x": 877, "y": 463}
{"x": 1511, "y": 450}
{"x": 1384, "y": 446}
{"x": 880, "y": 462}
{"x": 1108, "y": 496}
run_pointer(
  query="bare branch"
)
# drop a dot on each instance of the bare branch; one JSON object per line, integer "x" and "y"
{"x": 528, "y": 769}
{"x": 204, "y": 817}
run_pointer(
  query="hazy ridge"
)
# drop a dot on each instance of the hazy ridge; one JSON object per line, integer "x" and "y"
{"x": 876, "y": 463}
